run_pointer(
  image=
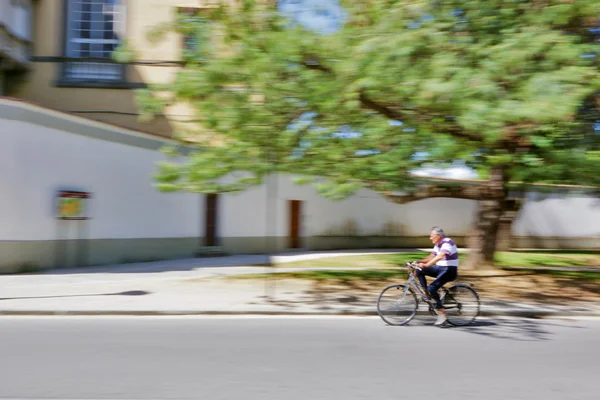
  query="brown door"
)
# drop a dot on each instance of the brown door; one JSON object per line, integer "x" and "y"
{"x": 295, "y": 207}
{"x": 210, "y": 228}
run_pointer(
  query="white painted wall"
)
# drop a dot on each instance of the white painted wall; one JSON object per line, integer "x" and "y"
{"x": 368, "y": 213}
{"x": 243, "y": 214}
{"x": 374, "y": 215}
{"x": 364, "y": 214}
{"x": 10, "y": 176}
{"x": 455, "y": 216}
{"x": 558, "y": 215}
{"x": 37, "y": 161}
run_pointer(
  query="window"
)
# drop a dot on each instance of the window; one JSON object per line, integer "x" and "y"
{"x": 92, "y": 31}
{"x": 190, "y": 18}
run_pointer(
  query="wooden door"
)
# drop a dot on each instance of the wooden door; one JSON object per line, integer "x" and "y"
{"x": 295, "y": 212}
{"x": 210, "y": 225}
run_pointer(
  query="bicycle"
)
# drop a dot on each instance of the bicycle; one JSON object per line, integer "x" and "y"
{"x": 398, "y": 304}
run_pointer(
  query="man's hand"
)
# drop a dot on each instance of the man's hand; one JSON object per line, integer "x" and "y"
{"x": 421, "y": 265}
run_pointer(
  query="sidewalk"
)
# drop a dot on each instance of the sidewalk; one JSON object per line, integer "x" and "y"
{"x": 189, "y": 287}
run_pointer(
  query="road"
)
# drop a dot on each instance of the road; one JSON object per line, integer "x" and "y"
{"x": 295, "y": 358}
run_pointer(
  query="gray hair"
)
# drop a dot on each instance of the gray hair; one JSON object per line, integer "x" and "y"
{"x": 438, "y": 231}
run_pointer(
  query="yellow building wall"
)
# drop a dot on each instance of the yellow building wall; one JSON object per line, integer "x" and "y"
{"x": 116, "y": 106}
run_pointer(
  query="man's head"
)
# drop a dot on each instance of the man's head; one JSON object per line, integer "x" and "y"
{"x": 437, "y": 234}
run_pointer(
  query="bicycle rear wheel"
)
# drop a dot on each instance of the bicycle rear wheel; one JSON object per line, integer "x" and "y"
{"x": 462, "y": 304}
{"x": 397, "y": 305}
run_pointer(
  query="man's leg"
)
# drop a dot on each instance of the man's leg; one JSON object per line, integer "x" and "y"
{"x": 421, "y": 277}
{"x": 444, "y": 275}
{"x": 431, "y": 271}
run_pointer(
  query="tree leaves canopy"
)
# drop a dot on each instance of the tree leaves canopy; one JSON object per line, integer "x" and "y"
{"x": 509, "y": 84}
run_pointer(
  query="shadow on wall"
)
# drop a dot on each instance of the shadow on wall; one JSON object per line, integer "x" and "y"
{"x": 351, "y": 228}
{"x": 348, "y": 228}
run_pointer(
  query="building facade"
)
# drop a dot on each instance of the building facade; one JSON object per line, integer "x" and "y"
{"x": 72, "y": 69}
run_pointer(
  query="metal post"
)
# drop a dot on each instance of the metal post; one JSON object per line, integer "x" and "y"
{"x": 271, "y": 233}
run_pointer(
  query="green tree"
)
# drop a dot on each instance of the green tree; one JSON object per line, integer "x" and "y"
{"x": 496, "y": 84}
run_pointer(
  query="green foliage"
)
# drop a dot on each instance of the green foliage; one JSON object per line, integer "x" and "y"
{"x": 150, "y": 104}
{"x": 494, "y": 83}
{"x": 123, "y": 53}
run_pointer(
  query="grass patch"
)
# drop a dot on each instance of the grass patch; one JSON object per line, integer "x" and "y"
{"x": 347, "y": 275}
{"x": 585, "y": 275}
{"x": 551, "y": 258}
{"x": 542, "y": 251}
{"x": 547, "y": 259}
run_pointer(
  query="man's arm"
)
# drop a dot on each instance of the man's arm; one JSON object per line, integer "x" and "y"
{"x": 426, "y": 259}
{"x": 431, "y": 260}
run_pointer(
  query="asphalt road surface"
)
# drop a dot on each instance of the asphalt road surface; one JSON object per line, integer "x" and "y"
{"x": 296, "y": 358}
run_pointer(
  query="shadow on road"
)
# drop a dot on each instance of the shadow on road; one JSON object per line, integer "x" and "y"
{"x": 513, "y": 329}
{"x": 127, "y": 293}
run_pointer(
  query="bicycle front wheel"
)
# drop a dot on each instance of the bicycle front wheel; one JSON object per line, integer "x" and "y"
{"x": 462, "y": 305}
{"x": 397, "y": 305}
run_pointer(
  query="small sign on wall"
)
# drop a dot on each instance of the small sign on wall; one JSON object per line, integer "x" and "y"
{"x": 72, "y": 205}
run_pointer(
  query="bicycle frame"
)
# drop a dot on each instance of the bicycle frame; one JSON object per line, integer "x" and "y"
{"x": 416, "y": 286}
{"x": 451, "y": 297}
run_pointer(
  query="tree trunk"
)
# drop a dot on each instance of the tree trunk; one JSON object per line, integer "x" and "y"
{"x": 492, "y": 197}
{"x": 482, "y": 241}
{"x": 511, "y": 210}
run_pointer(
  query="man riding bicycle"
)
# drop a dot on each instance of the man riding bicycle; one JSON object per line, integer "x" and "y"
{"x": 442, "y": 264}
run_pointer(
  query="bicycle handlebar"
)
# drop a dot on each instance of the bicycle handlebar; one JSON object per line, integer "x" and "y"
{"x": 413, "y": 265}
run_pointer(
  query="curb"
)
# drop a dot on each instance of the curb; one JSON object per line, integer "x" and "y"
{"x": 531, "y": 314}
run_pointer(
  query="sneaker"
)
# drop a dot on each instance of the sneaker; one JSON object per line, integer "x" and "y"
{"x": 441, "y": 319}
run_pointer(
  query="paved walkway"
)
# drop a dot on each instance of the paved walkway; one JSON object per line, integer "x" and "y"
{"x": 187, "y": 287}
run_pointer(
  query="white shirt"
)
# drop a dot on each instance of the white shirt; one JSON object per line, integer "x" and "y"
{"x": 450, "y": 251}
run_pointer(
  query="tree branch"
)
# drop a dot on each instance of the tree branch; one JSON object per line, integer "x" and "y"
{"x": 428, "y": 191}
{"x": 387, "y": 111}
{"x": 450, "y": 127}
{"x": 315, "y": 65}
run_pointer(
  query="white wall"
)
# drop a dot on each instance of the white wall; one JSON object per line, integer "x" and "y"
{"x": 243, "y": 214}
{"x": 10, "y": 178}
{"x": 37, "y": 161}
{"x": 364, "y": 214}
{"x": 558, "y": 215}
{"x": 455, "y": 216}
{"x": 370, "y": 214}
